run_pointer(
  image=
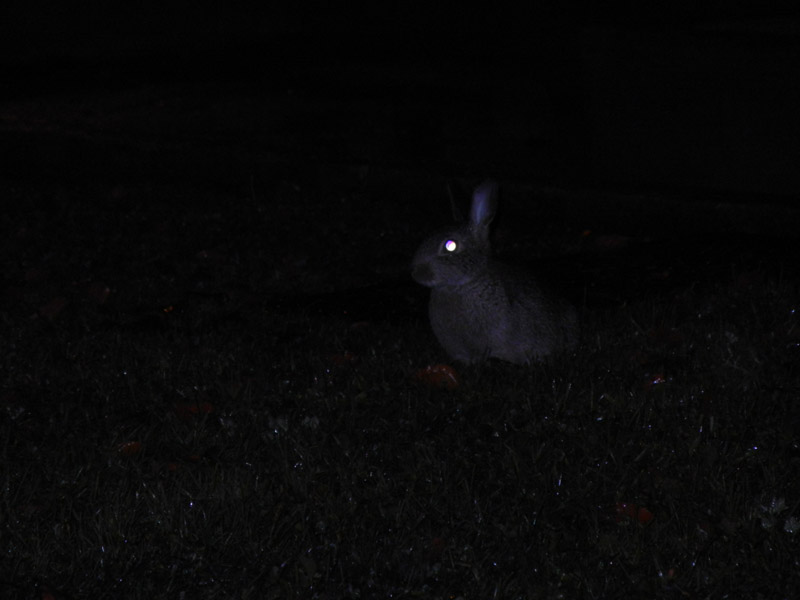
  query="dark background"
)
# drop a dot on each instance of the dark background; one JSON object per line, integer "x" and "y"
{"x": 668, "y": 96}
{"x": 218, "y": 374}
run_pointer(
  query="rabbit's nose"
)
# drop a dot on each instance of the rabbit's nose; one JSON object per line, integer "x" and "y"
{"x": 422, "y": 274}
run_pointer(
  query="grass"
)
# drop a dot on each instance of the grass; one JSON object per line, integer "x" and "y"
{"x": 214, "y": 393}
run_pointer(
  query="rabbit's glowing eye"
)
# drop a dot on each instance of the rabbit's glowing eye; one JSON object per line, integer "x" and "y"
{"x": 450, "y": 245}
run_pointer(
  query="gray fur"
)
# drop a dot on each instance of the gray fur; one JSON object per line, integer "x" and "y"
{"x": 481, "y": 308}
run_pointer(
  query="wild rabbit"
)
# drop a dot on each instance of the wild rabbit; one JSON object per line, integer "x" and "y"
{"x": 481, "y": 308}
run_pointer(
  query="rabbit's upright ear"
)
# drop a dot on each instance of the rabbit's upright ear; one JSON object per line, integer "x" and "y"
{"x": 484, "y": 206}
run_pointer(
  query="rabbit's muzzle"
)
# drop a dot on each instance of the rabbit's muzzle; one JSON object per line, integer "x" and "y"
{"x": 423, "y": 274}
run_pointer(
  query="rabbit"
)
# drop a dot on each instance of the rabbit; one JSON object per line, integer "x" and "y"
{"x": 481, "y": 308}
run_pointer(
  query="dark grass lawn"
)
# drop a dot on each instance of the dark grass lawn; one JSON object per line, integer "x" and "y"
{"x": 212, "y": 377}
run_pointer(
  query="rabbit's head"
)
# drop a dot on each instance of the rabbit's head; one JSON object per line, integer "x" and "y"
{"x": 458, "y": 254}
